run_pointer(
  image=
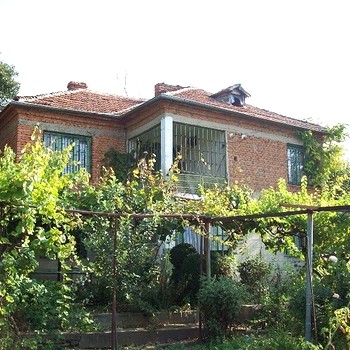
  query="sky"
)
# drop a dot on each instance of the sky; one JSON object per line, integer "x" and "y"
{"x": 293, "y": 57}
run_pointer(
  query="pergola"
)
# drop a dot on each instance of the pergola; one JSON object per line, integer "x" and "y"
{"x": 298, "y": 209}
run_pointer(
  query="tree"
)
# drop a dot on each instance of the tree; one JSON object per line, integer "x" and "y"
{"x": 9, "y": 87}
{"x": 33, "y": 194}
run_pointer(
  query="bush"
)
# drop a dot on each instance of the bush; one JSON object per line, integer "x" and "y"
{"x": 222, "y": 264}
{"x": 185, "y": 275}
{"x": 220, "y": 301}
{"x": 254, "y": 275}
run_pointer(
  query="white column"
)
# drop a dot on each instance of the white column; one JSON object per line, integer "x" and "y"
{"x": 166, "y": 140}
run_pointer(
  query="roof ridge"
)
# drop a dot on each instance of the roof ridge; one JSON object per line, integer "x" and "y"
{"x": 184, "y": 89}
{"x": 71, "y": 92}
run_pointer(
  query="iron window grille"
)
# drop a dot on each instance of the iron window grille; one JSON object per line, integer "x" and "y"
{"x": 203, "y": 156}
{"x": 80, "y": 155}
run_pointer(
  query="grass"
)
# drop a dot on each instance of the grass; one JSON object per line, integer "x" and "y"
{"x": 276, "y": 340}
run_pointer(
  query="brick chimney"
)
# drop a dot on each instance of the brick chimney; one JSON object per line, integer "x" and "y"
{"x": 162, "y": 88}
{"x": 74, "y": 85}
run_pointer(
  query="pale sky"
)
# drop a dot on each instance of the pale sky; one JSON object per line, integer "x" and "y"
{"x": 293, "y": 57}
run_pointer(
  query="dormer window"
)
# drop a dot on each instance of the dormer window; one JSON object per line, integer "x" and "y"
{"x": 234, "y": 95}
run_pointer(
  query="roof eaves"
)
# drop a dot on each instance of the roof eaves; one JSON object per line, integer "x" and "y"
{"x": 61, "y": 110}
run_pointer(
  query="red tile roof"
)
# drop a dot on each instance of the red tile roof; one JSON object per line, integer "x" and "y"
{"x": 204, "y": 97}
{"x": 84, "y": 100}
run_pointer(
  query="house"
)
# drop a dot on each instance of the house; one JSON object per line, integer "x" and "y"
{"x": 219, "y": 136}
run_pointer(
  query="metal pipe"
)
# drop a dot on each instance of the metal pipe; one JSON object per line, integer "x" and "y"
{"x": 114, "y": 297}
{"x": 207, "y": 251}
{"x": 200, "y": 324}
{"x": 309, "y": 304}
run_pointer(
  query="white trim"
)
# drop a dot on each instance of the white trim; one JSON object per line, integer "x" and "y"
{"x": 214, "y": 125}
{"x": 166, "y": 137}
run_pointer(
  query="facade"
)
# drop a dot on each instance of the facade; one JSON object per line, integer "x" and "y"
{"x": 218, "y": 135}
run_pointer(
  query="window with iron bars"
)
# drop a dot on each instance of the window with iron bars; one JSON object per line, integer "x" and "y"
{"x": 203, "y": 156}
{"x": 80, "y": 155}
{"x": 146, "y": 145}
{"x": 295, "y": 155}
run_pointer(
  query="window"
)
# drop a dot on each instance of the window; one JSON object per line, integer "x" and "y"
{"x": 203, "y": 156}
{"x": 80, "y": 156}
{"x": 203, "y": 150}
{"x": 146, "y": 145}
{"x": 295, "y": 156}
{"x": 218, "y": 239}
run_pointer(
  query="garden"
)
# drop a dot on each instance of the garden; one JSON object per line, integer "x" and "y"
{"x": 109, "y": 237}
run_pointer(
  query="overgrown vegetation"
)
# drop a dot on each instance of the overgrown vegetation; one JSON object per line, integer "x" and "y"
{"x": 220, "y": 301}
{"x": 37, "y": 199}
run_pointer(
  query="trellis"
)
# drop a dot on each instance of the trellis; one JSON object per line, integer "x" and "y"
{"x": 205, "y": 243}
{"x": 208, "y": 221}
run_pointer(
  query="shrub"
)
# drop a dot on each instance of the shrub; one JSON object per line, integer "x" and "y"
{"x": 220, "y": 301}
{"x": 222, "y": 264}
{"x": 254, "y": 275}
{"x": 185, "y": 275}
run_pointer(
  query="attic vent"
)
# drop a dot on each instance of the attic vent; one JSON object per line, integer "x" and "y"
{"x": 234, "y": 95}
{"x": 74, "y": 85}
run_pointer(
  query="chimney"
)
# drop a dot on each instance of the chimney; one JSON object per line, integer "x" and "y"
{"x": 74, "y": 85}
{"x": 162, "y": 88}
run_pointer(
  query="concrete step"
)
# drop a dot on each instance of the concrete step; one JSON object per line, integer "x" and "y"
{"x": 127, "y": 337}
{"x": 138, "y": 320}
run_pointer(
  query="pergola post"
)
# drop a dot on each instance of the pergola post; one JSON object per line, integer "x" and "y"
{"x": 207, "y": 249}
{"x": 309, "y": 255}
{"x": 114, "y": 297}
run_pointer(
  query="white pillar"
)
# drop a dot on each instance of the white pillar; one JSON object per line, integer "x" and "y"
{"x": 166, "y": 141}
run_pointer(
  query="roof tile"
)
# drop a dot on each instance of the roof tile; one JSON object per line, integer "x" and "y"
{"x": 203, "y": 97}
{"x": 84, "y": 100}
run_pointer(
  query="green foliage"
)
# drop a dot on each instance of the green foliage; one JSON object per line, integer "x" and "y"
{"x": 185, "y": 275}
{"x": 138, "y": 269}
{"x": 220, "y": 301}
{"x": 9, "y": 87}
{"x": 254, "y": 274}
{"x": 222, "y": 264}
{"x": 324, "y": 161}
{"x": 331, "y": 300}
{"x": 273, "y": 340}
{"x": 179, "y": 253}
{"x": 121, "y": 163}
{"x": 33, "y": 191}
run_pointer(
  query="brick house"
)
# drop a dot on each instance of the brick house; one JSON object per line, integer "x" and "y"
{"x": 219, "y": 136}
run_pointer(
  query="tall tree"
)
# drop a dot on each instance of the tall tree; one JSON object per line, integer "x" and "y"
{"x": 9, "y": 87}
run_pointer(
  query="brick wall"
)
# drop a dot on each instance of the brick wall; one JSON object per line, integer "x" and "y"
{"x": 258, "y": 159}
{"x": 104, "y": 132}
